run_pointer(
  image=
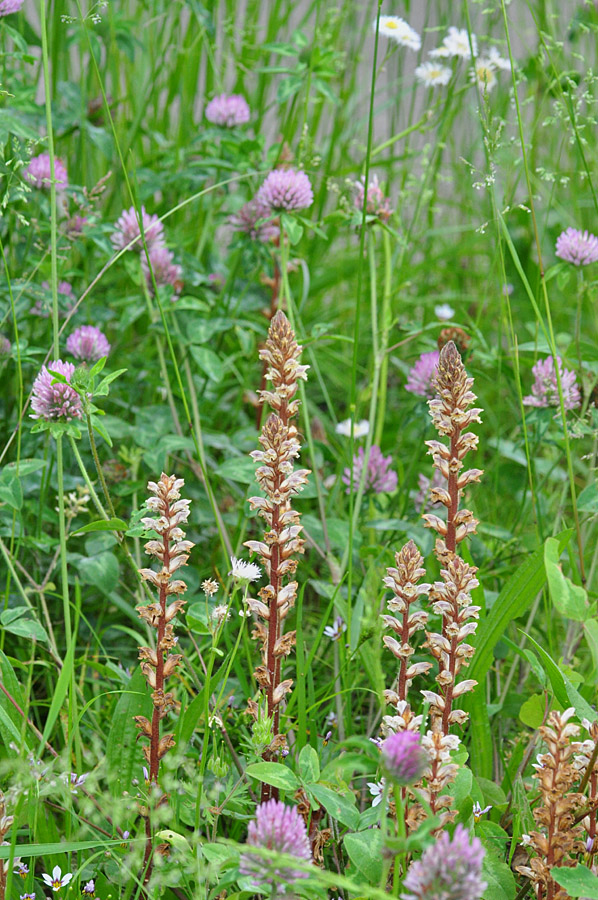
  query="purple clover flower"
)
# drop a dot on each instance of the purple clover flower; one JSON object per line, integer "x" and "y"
{"x": 380, "y": 478}
{"x": 377, "y": 204}
{"x": 404, "y": 758}
{"x": 76, "y": 225}
{"x": 253, "y": 218}
{"x": 281, "y": 828}
{"x": 38, "y": 171}
{"x": 88, "y": 343}
{"x": 286, "y": 189}
{"x": 55, "y": 401}
{"x": 10, "y": 6}
{"x": 228, "y": 110}
{"x": 448, "y": 870}
{"x": 66, "y": 301}
{"x": 419, "y": 379}
{"x": 5, "y": 346}
{"x": 545, "y": 390}
{"x": 577, "y": 247}
{"x": 165, "y": 270}
{"x": 127, "y": 229}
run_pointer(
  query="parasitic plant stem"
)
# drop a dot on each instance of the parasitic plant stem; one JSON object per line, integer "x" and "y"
{"x": 172, "y": 551}
{"x": 280, "y": 482}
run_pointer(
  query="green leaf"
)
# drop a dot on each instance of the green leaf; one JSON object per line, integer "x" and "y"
{"x": 29, "y": 850}
{"x": 577, "y": 881}
{"x": 292, "y": 228}
{"x": 102, "y": 388}
{"x": 365, "y": 852}
{"x": 309, "y": 764}
{"x": 590, "y": 627}
{"x": 102, "y": 571}
{"x": 340, "y": 806}
{"x": 569, "y": 599}
{"x": 10, "y": 720}
{"x": 565, "y": 693}
{"x": 24, "y": 467}
{"x": 123, "y": 759}
{"x": 102, "y": 525}
{"x": 209, "y": 362}
{"x": 500, "y": 879}
{"x": 532, "y": 711}
{"x": 588, "y": 499}
{"x": 11, "y": 491}
{"x": 276, "y": 774}
{"x": 239, "y": 468}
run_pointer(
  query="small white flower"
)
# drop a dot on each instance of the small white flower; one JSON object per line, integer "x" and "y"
{"x": 432, "y": 74}
{"x": 220, "y": 614}
{"x": 456, "y": 43}
{"x": 484, "y": 74}
{"x": 377, "y": 790}
{"x": 498, "y": 61}
{"x": 56, "y": 880}
{"x": 444, "y": 312}
{"x": 478, "y": 812}
{"x": 336, "y": 631}
{"x": 360, "y": 429}
{"x": 244, "y": 571}
{"x": 441, "y": 52}
{"x": 400, "y": 31}
{"x": 245, "y": 613}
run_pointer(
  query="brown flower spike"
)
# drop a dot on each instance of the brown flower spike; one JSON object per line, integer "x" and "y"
{"x": 157, "y": 664}
{"x": 282, "y": 540}
{"x": 451, "y": 597}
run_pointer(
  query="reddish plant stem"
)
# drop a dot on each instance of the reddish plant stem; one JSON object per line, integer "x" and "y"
{"x": 270, "y": 315}
{"x": 402, "y": 686}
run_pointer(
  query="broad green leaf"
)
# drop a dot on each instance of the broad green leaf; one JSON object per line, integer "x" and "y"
{"x": 565, "y": 693}
{"x": 569, "y": 599}
{"x": 209, "y": 362}
{"x": 239, "y": 468}
{"x": 102, "y": 571}
{"x": 122, "y": 747}
{"x": 499, "y": 878}
{"x": 24, "y": 467}
{"x": 339, "y": 806}
{"x": 588, "y": 499}
{"x": 102, "y": 525}
{"x": 590, "y": 627}
{"x": 533, "y": 710}
{"x": 309, "y": 764}
{"x": 275, "y": 774}
{"x": 365, "y": 852}
{"x": 11, "y": 491}
{"x": 578, "y": 881}
{"x": 7, "y": 709}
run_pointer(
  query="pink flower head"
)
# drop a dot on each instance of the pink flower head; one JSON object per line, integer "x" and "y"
{"x": 87, "y": 343}
{"x": 419, "y": 379}
{"x": 286, "y": 189}
{"x": 165, "y": 270}
{"x": 448, "y": 870}
{"x": 55, "y": 401}
{"x": 545, "y": 389}
{"x": 76, "y": 225}
{"x": 379, "y": 478}
{"x": 228, "y": 110}
{"x": 404, "y": 758}
{"x": 10, "y": 6}
{"x": 253, "y": 218}
{"x": 5, "y": 347}
{"x": 281, "y": 828}
{"x": 577, "y": 247}
{"x": 376, "y": 204}
{"x": 127, "y": 229}
{"x": 66, "y": 300}
{"x": 39, "y": 175}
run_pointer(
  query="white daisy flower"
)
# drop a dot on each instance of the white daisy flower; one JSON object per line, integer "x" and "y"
{"x": 400, "y": 31}
{"x": 444, "y": 312}
{"x": 441, "y": 52}
{"x": 484, "y": 74}
{"x": 498, "y": 61}
{"x": 457, "y": 43}
{"x": 360, "y": 429}
{"x": 432, "y": 74}
{"x": 244, "y": 571}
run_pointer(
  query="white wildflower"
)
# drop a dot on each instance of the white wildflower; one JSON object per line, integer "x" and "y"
{"x": 456, "y": 43}
{"x": 498, "y": 61}
{"x": 484, "y": 74}
{"x": 244, "y": 571}
{"x": 432, "y": 74}
{"x": 400, "y": 31}
{"x": 360, "y": 429}
{"x": 444, "y": 312}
